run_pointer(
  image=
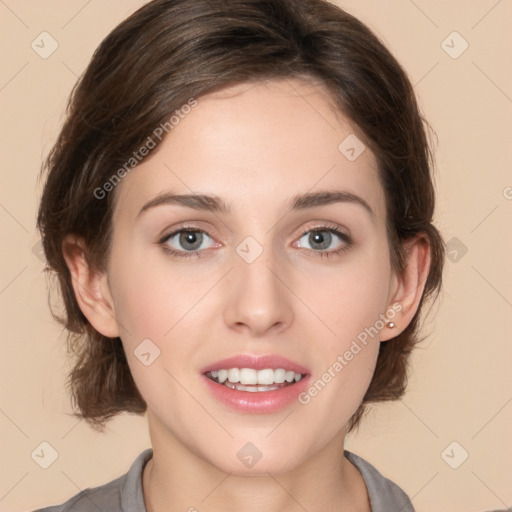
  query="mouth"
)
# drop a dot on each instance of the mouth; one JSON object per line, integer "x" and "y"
{"x": 257, "y": 384}
{"x": 255, "y": 381}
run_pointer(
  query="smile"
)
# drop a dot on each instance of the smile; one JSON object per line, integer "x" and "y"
{"x": 249, "y": 379}
{"x": 256, "y": 384}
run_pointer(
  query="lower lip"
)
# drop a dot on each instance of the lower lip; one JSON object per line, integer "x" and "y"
{"x": 258, "y": 402}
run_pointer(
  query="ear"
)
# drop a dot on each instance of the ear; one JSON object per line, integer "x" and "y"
{"x": 91, "y": 287}
{"x": 407, "y": 288}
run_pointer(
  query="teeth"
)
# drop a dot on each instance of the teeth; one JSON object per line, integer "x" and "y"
{"x": 248, "y": 376}
{"x": 252, "y": 389}
{"x": 279, "y": 376}
{"x": 234, "y": 375}
{"x": 266, "y": 377}
{"x": 262, "y": 380}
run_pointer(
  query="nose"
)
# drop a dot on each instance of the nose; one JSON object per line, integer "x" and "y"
{"x": 259, "y": 299}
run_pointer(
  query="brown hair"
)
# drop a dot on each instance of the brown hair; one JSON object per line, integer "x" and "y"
{"x": 172, "y": 50}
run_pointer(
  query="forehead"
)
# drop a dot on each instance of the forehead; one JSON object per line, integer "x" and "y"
{"x": 256, "y": 145}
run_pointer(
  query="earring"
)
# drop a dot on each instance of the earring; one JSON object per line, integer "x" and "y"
{"x": 390, "y": 325}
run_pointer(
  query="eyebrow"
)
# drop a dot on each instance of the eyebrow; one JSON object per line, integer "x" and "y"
{"x": 216, "y": 204}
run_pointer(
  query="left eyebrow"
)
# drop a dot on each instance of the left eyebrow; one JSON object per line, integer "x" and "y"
{"x": 312, "y": 199}
{"x": 215, "y": 204}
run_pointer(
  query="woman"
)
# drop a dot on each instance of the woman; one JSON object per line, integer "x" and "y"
{"x": 239, "y": 212}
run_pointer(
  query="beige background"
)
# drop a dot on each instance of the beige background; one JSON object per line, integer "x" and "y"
{"x": 461, "y": 386}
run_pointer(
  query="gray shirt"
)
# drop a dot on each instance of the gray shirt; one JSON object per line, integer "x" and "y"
{"x": 124, "y": 494}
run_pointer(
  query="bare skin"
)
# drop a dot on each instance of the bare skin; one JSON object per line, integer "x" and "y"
{"x": 255, "y": 146}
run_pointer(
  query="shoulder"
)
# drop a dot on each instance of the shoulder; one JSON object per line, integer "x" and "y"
{"x": 104, "y": 497}
{"x": 384, "y": 494}
{"x": 124, "y": 494}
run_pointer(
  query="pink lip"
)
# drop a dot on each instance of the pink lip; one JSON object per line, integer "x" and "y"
{"x": 265, "y": 402}
{"x": 257, "y": 363}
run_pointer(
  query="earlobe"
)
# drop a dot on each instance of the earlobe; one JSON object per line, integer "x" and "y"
{"x": 408, "y": 287}
{"x": 91, "y": 287}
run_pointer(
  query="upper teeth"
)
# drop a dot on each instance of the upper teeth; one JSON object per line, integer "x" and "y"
{"x": 248, "y": 376}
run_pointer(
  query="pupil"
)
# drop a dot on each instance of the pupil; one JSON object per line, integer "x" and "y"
{"x": 190, "y": 237}
{"x": 319, "y": 238}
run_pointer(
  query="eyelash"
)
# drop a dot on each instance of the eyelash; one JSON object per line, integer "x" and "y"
{"x": 201, "y": 253}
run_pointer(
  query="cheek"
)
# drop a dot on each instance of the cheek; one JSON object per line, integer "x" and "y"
{"x": 151, "y": 296}
{"x": 160, "y": 302}
{"x": 350, "y": 298}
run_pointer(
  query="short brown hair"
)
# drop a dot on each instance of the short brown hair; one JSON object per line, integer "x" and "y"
{"x": 153, "y": 63}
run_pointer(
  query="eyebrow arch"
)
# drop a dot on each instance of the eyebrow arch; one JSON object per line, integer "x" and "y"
{"x": 213, "y": 203}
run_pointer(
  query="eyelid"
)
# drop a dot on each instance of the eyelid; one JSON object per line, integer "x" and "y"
{"x": 326, "y": 226}
{"x": 186, "y": 226}
{"x": 337, "y": 230}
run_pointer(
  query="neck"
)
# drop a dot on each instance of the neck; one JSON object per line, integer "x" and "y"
{"x": 177, "y": 479}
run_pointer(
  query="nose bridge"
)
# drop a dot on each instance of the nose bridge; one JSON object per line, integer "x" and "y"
{"x": 257, "y": 264}
{"x": 258, "y": 297}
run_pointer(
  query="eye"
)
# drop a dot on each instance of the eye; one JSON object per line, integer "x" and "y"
{"x": 322, "y": 240}
{"x": 186, "y": 242}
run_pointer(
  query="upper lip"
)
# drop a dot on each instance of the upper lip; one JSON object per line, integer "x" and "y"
{"x": 257, "y": 362}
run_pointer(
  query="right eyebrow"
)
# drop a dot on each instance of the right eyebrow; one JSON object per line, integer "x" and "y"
{"x": 196, "y": 201}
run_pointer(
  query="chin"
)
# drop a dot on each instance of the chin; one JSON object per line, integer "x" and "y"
{"x": 256, "y": 458}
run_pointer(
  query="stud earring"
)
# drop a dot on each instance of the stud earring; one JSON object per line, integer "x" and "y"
{"x": 390, "y": 325}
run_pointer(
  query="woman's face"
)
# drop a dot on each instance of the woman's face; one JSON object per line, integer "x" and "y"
{"x": 291, "y": 278}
